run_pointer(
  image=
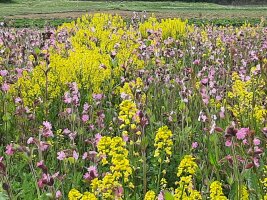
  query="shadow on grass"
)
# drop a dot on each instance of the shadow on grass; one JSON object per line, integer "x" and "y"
{"x": 7, "y": 1}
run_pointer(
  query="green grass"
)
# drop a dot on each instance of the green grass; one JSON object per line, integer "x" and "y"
{"x": 192, "y": 10}
{"x": 40, "y": 13}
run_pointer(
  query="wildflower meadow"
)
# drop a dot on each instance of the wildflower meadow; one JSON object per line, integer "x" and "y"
{"x": 103, "y": 108}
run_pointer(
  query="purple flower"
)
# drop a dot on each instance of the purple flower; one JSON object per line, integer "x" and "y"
{"x": 58, "y": 194}
{"x": 194, "y": 145}
{"x": 125, "y": 138}
{"x": 97, "y": 138}
{"x": 47, "y": 132}
{"x": 228, "y": 143}
{"x": 256, "y": 141}
{"x": 5, "y": 87}
{"x": 91, "y": 174}
{"x": 85, "y": 118}
{"x": 9, "y": 150}
{"x": 61, "y": 155}
{"x": 97, "y": 97}
{"x": 47, "y": 125}
{"x": 85, "y": 155}
{"x": 161, "y": 196}
{"x": 30, "y": 140}
{"x": 256, "y": 162}
{"x": 43, "y": 146}
{"x": 196, "y": 62}
{"x": 3, "y": 72}
{"x": 241, "y": 134}
{"x": 86, "y": 107}
{"x": 75, "y": 155}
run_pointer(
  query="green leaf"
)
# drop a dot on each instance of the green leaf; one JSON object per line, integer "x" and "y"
{"x": 3, "y": 196}
{"x": 6, "y": 117}
{"x": 168, "y": 196}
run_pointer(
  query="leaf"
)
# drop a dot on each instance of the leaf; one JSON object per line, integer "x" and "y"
{"x": 6, "y": 117}
{"x": 3, "y": 196}
{"x": 168, "y": 196}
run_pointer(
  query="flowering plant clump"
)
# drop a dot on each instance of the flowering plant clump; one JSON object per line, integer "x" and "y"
{"x": 186, "y": 170}
{"x": 216, "y": 191}
{"x": 163, "y": 144}
{"x": 105, "y": 108}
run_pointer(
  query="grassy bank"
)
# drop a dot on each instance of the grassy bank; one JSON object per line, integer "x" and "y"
{"x": 30, "y": 8}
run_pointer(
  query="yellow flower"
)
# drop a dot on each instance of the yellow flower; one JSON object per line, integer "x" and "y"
{"x": 187, "y": 166}
{"x": 245, "y": 194}
{"x": 216, "y": 192}
{"x": 88, "y": 196}
{"x": 150, "y": 195}
{"x": 163, "y": 143}
{"x": 74, "y": 194}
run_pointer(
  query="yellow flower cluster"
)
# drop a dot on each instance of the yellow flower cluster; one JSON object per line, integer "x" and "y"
{"x": 89, "y": 61}
{"x": 76, "y": 195}
{"x": 163, "y": 144}
{"x": 128, "y": 116}
{"x": 244, "y": 193}
{"x": 187, "y": 166}
{"x": 216, "y": 192}
{"x": 113, "y": 152}
{"x": 106, "y": 187}
{"x": 247, "y": 99}
{"x": 185, "y": 189}
{"x": 169, "y": 27}
{"x": 150, "y": 195}
{"x": 129, "y": 89}
{"x": 115, "y": 148}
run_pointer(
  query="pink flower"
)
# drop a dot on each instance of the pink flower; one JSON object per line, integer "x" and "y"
{"x": 256, "y": 162}
{"x": 40, "y": 183}
{"x": 85, "y": 118}
{"x": 222, "y": 115}
{"x": 125, "y": 138}
{"x": 92, "y": 127}
{"x": 72, "y": 136}
{"x": 161, "y": 196}
{"x": 47, "y": 125}
{"x": 58, "y": 194}
{"x": 3, "y": 72}
{"x": 30, "y": 140}
{"x": 196, "y": 62}
{"x": 5, "y": 87}
{"x": 43, "y": 146}
{"x": 97, "y": 138}
{"x": 66, "y": 131}
{"x": 119, "y": 192}
{"x": 68, "y": 110}
{"x": 228, "y": 143}
{"x": 40, "y": 163}
{"x": 97, "y": 96}
{"x": 91, "y": 174}
{"x": 61, "y": 155}
{"x": 85, "y": 155}
{"x": 241, "y": 134}
{"x": 204, "y": 81}
{"x": 194, "y": 145}
{"x": 9, "y": 150}
{"x": 256, "y": 141}
{"x": 47, "y": 132}
{"x": 18, "y": 100}
{"x": 75, "y": 155}
{"x": 19, "y": 72}
{"x": 245, "y": 142}
{"x": 85, "y": 107}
